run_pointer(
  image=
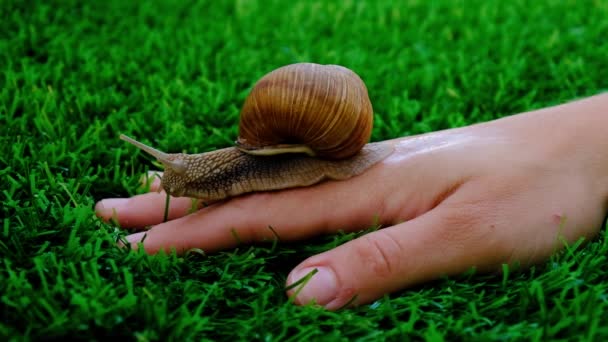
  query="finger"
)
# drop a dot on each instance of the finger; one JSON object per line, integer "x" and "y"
{"x": 293, "y": 214}
{"x": 394, "y": 258}
{"x": 144, "y": 210}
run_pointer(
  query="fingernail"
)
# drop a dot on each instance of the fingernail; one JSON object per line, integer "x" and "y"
{"x": 135, "y": 238}
{"x": 106, "y": 207}
{"x": 322, "y": 286}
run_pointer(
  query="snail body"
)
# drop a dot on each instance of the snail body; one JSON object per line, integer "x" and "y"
{"x": 300, "y": 125}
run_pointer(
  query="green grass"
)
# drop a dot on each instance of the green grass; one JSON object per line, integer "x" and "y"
{"x": 75, "y": 74}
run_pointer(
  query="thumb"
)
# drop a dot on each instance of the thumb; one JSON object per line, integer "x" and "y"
{"x": 391, "y": 259}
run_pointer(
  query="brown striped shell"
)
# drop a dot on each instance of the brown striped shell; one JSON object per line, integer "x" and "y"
{"x": 322, "y": 110}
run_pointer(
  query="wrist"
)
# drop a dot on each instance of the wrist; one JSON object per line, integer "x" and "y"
{"x": 568, "y": 136}
{"x": 580, "y": 132}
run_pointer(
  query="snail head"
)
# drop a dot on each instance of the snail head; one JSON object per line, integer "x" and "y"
{"x": 175, "y": 165}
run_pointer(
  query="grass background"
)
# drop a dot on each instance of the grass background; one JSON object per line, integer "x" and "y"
{"x": 75, "y": 74}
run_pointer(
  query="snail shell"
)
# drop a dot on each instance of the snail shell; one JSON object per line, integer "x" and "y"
{"x": 322, "y": 110}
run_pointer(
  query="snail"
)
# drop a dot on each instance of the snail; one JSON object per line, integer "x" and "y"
{"x": 301, "y": 124}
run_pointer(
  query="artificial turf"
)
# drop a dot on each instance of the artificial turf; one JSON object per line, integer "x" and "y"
{"x": 76, "y": 74}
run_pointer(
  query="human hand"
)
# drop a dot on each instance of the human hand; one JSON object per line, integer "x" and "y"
{"x": 505, "y": 191}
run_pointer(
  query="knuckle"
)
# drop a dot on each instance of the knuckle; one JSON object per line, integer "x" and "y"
{"x": 253, "y": 231}
{"x": 250, "y": 216}
{"x": 380, "y": 252}
{"x": 474, "y": 227}
{"x": 461, "y": 220}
